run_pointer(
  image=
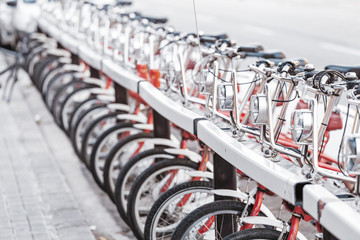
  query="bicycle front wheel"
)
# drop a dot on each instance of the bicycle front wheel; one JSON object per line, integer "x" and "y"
{"x": 153, "y": 182}
{"x": 205, "y": 222}
{"x": 174, "y": 205}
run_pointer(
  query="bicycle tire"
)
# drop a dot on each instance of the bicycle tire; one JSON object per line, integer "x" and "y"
{"x": 255, "y": 233}
{"x": 125, "y": 172}
{"x": 110, "y": 158}
{"x": 156, "y": 171}
{"x": 79, "y": 110}
{"x": 65, "y": 94}
{"x": 173, "y": 194}
{"x": 60, "y": 116}
{"x": 99, "y": 178}
{"x": 71, "y": 107}
{"x": 215, "y": 208}
{"x": 50, "y": 75}
{"x": 89, "y": 129}
{"x": 53, "y": 84}
{"x": 73, "y": 97}
{"x": 60, "y": 92}
{"x": 40, "y": 67}
{"x": 57, "y": 82}
{"x": 88, "y": 113}
{"x": 47, "y": 73}
{"x": 32, "y": 51}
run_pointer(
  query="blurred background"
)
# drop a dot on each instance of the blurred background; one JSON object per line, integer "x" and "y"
{"x": 322, "y": 31}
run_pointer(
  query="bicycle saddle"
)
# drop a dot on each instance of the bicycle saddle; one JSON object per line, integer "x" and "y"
{"x": 267, "y": 55}
{"x": 207, "y": 39}
{"x": 123, "y": 3}
{"x": 253, "y": 49}
{"x": 209, "y": 36}
{"x": 344, "y": 69}
{"x": 155, "y": 20}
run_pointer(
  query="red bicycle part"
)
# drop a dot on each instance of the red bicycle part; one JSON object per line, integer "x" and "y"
{"x": 155, "y": 77}
{"x": 257, "y": 205}
{"x": 108, "y": 83}
{"x": 141, "y": 70}
{"x": 207, "y": 225}
{"x": 168, "y": 182}
{"x": 202, "y": 167}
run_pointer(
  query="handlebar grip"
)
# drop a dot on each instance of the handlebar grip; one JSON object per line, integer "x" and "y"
{"x": 267, "y": 55}
{"x": 302, "y": 61}
{"x": 217, "y": 36}
{"x": 207, "y": 39}
{"x": 253, "y": 49}
{"x": 155, "y": 20}
{"x": 344, "y": 69}
{"x": 123, "y": 3}
{"x": 135, "y": 14}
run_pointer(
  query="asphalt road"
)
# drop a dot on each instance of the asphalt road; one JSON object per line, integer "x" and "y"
{"x": 323, "y": 31}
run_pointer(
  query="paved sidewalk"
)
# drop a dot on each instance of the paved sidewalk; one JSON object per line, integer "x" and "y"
{"x": 45, "y": 192}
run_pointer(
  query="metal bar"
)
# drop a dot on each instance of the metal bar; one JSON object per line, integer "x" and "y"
{"x": 327, "y": 235}
{"x": 121, "y": 94}
{"x": 161, "y": 126}
{"x": 94, "y": 73}
{"x": 75, "y": 59}
{"x": 224, "y": 178}
{"x": 8, "y": 52}
{"x": 177, "y": 114}
{"x": 286, "y": 178}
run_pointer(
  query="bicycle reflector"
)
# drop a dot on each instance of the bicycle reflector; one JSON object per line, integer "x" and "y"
{"x": 302, "y": 126}
{"x": 350, "y": 154}
{"x": 226, "y": 97}
{"x": 259, "y": 110}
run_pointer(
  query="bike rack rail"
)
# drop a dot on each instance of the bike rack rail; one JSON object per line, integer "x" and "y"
{"x": 282, "y": 178}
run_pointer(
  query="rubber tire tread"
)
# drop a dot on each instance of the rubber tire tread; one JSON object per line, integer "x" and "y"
{"x": 121, "y": 177}
{"x": 55, "y": 78}
{"x": 61, "y": 123}
{"x": 112, "y": 154}
{"x": 59, "y": 91}
{"x": 76, "y": 109}
{"x": 184, "y": 162}
{"x": 39, "y": 68}
{"x": 59, "y": 66}
{"x": 77, "y": 123}
{"x": 172, "y": 192}
{"x": 209, "y": 208}
{"x": 89, "y": 129}
{"x": 97, "y": 145}
{"x": 254, "y": 233}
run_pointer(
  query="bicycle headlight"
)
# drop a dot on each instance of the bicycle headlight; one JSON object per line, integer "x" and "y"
{"x": 226, "y": 97}
{"x": 206, "y": 81}
{"x": 259, "y": 110}
{"x": 302, "y": 126}
{"x": 350, "y": 154}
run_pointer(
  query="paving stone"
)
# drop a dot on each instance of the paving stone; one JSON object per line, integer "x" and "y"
{"x": 45, "y": 191}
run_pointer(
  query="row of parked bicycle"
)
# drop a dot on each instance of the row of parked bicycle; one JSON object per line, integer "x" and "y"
{"x": 160, "y": 175}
